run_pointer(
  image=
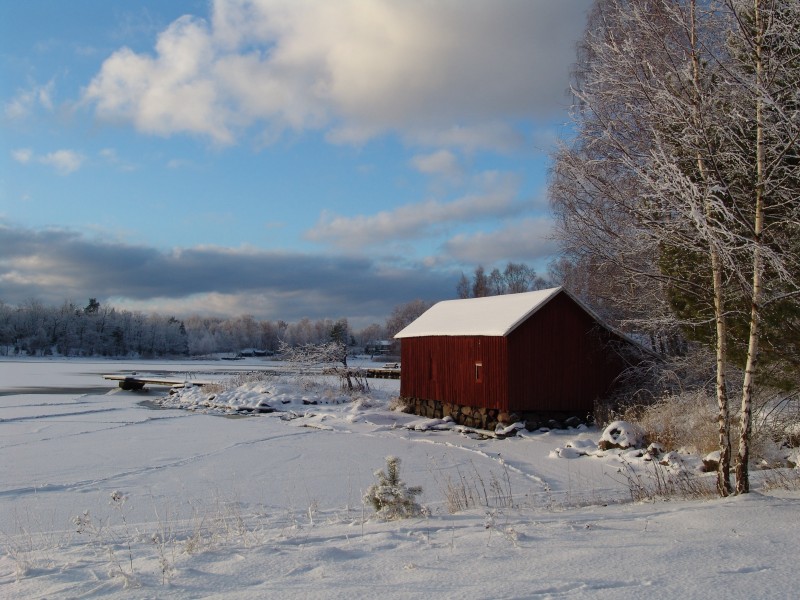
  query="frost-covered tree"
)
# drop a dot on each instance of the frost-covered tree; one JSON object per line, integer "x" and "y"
{"x": 404, "y": 314}
{"x": 391, "y": 498}
{"x": 681, "y": 184}
{"x": 340, "y": 336}
{"x": 328, "y": 357}
{"x": 7, "y": 333}
{"x": 370, "y": 333}
{"x": 764, "y": 174}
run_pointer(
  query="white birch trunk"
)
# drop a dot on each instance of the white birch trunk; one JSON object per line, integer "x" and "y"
{"x": 723, "y": 417}
{"x": 745, "y": 424}
{"x": 721, "y": 344}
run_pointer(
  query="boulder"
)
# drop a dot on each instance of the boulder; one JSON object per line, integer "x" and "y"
{"x": 711, "y": 462}
{"x": 621, "y": 434}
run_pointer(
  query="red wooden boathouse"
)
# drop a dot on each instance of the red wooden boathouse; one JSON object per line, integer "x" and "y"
{"x": 540, "y": 352}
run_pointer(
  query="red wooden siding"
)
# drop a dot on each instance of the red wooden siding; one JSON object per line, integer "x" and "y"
{"x": 444, "y": 368}
{"x": 557, "y": 360}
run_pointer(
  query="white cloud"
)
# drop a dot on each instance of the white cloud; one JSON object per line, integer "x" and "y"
{"x": 445, "y": 73}
{"x": 18, "y": 108}
{"x": 167, "y": 94}
{"x": 64, "y": 161}
{"x": 492, "y": 135}
{"x": 44, "y": 95}
{"x": 419, "y": 219}
{"x": 27, "y": 101}
{"x": 528, "y": 240}
{"x": 210, "y": 303}
{"x": 442, "y": 162}
{"x": 22, "y": 155}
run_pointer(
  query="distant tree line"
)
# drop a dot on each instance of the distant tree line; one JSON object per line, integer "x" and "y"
{"x": 514, "y": 279}
{"x": 35, "y": 329}
{"x": 94, "y": 330}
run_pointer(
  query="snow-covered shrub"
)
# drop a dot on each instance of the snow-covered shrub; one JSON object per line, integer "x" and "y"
{"x": 117, "y": 542}
{"x": 666, "y": 478}
{"x": 470, "y": 490}
{"x": 245, "y": 377}
{"x": 622, "y": 434}
{"x": 776, "y": 430}
{"x": 391, "y": 497}
{"x": 330, "y": 357}
{"x": 685, "y": 421}
{"x": 236, "y": 381}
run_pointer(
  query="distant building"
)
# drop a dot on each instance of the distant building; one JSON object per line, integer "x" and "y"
{"x": 529, "y": 355}
{"x": 380, "y": 347}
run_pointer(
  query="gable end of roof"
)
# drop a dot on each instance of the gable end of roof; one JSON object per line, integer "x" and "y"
{"x": 494, "y": 316}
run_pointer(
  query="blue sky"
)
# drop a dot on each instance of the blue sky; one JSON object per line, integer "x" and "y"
{"x": 275, "y": 158}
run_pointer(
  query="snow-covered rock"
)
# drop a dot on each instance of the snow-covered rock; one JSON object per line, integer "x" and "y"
{"x": 622, "y": 434}
{"x": 711, "y": 461}
{"x": 654, "y": 450}
{"x": 505, "y": 430}
{"x": 566, "y": 453}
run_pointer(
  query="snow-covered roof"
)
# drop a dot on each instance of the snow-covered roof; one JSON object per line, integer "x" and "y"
{"x": 492, "y": 315}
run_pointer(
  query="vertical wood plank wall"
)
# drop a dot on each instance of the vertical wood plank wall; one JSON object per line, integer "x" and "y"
{"x": 443, "y": 368}
{"x": 560, "y": 360}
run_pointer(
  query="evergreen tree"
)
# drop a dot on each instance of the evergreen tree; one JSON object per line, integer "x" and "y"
{"x": 391, "y": 498}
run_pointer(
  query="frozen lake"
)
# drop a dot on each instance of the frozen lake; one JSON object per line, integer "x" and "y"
{"x": 70, "y": 438}
{"x": 261, "y": 506}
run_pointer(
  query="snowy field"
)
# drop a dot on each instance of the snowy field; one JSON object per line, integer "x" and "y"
{"x": 112, "y": 493}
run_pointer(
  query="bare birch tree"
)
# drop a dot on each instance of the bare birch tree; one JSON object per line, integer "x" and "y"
{"x": 765, "y": 75}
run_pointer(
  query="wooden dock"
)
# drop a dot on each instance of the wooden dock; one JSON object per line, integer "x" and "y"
{"x": 137, "y": 382}
{"x": 387, "y": 371}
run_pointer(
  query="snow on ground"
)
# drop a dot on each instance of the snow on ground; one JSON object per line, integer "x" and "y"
{"x": 112, "y": 493}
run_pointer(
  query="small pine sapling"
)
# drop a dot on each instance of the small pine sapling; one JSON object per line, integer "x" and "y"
{"x": 391, "y": 498}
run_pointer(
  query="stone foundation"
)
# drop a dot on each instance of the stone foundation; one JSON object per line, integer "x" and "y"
{"x": 490, "y": 418}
